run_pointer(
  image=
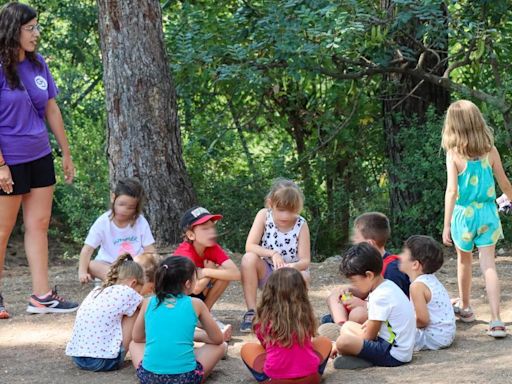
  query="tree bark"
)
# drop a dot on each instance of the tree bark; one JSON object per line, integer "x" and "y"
{"x": 143, "y": 132}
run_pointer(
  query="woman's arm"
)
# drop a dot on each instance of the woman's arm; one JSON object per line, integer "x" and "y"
{"x": 450, "y": 197}
{"x": 54, "y": 118}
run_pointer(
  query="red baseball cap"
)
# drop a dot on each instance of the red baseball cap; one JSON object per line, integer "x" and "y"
{"x": 196, "y": 216}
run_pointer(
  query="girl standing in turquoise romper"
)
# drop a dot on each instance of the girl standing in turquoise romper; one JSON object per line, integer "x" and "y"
{"x": 471, "y": 217}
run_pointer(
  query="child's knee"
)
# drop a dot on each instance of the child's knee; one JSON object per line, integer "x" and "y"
{"x": 250, "y": 260}
{"x": 358, "y": 315}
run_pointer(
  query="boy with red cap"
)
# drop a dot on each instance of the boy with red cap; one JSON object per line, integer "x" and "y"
{"x": 214, "y": 267}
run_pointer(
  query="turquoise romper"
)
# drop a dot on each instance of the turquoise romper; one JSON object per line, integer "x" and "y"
{"x": 475, "y": 219}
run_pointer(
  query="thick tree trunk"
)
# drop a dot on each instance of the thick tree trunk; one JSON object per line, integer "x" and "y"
{"x": 143, "y": 132}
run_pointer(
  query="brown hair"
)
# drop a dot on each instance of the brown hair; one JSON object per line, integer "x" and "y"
{"x": 123, "y": 268}
{"x": 13, "y": 16}
{"x": 129, "y": 187}
{"x": 465, "y": 130}
{"x": 427, "y": 251}
{"x": 374, "y": 226}
{"x": 284, "y": 314}
{"x": 285, "y": 194}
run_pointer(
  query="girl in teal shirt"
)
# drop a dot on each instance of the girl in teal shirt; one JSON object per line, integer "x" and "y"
{"x": 471, "y": 217}
{"x": 163, "y": 334}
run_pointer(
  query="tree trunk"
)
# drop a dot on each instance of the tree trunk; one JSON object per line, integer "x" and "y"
{"x": 405, "y": 105}
{"x": 143, "y": 132}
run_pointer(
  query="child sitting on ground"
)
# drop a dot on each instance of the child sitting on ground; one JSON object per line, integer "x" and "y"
{"x": 346, "y": 303}
{"x": 285, "y": 326}
{"x": 215, "y": 268}
{"x": 103, "y": 326}
{"x": 387, "y": 337}
{"x": 149, "y": 262}
{"x": 163, "y": 336}
{"x": 435, "y": 320}
{"x": 279, "y": 237}
{"x": 120, "y": 230}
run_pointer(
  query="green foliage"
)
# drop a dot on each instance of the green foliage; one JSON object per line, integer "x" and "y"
{"x": 270, "y": 89}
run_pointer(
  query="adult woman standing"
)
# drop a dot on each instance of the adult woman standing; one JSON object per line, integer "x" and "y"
{"x": 27, "y": 175}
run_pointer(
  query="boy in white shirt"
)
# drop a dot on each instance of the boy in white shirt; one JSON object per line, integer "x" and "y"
{"x": 387, "y": 338}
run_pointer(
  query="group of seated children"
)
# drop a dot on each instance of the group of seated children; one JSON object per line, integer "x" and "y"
{"x": 371, "y": 321}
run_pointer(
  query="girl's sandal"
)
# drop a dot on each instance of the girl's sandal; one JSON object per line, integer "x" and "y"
{"x": 497, "y": 329}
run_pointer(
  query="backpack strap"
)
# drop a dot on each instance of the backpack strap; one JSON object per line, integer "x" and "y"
{"x": 386, "y": 261}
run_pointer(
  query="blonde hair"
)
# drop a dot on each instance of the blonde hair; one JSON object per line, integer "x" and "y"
{"x": 465, "y": 130}
{"x": 123, "y": 268}
{"x": 284, "y": 313}
{"x": 285, "y": 194}
{"x": 149, "y": 262}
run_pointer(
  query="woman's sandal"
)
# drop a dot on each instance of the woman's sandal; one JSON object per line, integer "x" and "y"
{"x": 497, "y": 329}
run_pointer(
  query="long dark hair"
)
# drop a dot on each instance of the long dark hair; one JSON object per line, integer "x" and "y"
{"x": 12, "y": 17}
{"x": 171, "y": 276}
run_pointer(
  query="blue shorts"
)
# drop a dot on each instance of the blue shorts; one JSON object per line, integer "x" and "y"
{"x": 193, "y": 377}
{"x": 98, "y": 364}
{"x": 378, "y": 352}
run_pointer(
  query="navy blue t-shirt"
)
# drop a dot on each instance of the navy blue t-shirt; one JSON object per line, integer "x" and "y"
{"x": 394, "y": 274}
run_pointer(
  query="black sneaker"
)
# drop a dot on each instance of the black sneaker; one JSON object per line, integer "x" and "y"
{"x": 52, "y": 303}
{"x": 246, "y": 325}
{"x": 3, "y": 312}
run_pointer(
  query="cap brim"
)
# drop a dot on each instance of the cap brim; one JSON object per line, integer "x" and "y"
{"x": 206, "y": 218}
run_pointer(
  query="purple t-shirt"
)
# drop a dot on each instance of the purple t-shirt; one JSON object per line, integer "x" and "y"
{"x": 23, "y": 133}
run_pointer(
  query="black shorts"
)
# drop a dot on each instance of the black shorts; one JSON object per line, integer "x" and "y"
{"x": 34, "y": 174}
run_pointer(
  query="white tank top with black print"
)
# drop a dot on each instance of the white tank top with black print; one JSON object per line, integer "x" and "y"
{"x": 287, "y": 244}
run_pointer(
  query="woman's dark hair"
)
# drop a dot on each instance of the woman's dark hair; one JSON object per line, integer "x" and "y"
{"x": 359, "y": 259}
{"x": 129, "y": 187}
{"x": 12, "y": 16}
{"x": 171, "y": 276}
{"x": 427, "y": 251}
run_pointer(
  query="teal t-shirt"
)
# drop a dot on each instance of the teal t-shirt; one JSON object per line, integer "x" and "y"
{"x": 170, "y": 336}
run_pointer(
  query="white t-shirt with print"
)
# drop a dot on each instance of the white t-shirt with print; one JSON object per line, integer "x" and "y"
{"x": 97, "y": 331}
{"x": 114, "y": 241}
{"x": 388, "y": 303}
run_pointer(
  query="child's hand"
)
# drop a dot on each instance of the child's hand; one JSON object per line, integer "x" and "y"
{"x": 334, "y": 350}
{"x": 504, "y": 204}
{"x": 84, "y": 277}
{"x": 277, "y": 260}
{"x": 447, "y": 237}
{"x": 355, "y": 302}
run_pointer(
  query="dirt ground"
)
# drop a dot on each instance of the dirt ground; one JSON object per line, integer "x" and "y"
{"x": 32, "y": 346}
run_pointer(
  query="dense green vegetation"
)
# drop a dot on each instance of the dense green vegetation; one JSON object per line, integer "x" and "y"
{"x": 296, "y": 89}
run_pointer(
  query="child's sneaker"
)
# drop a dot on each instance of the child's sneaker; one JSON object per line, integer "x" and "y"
{"x": 497, "y": 329}
{"x": 3, "y": 312}
{"x": 51, "y": 303}
{"x": 465, "y": 315}
{"x": 246, "y": 325}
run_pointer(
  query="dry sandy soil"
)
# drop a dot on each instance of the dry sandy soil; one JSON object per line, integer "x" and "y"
{"x": 32, "y": 346}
